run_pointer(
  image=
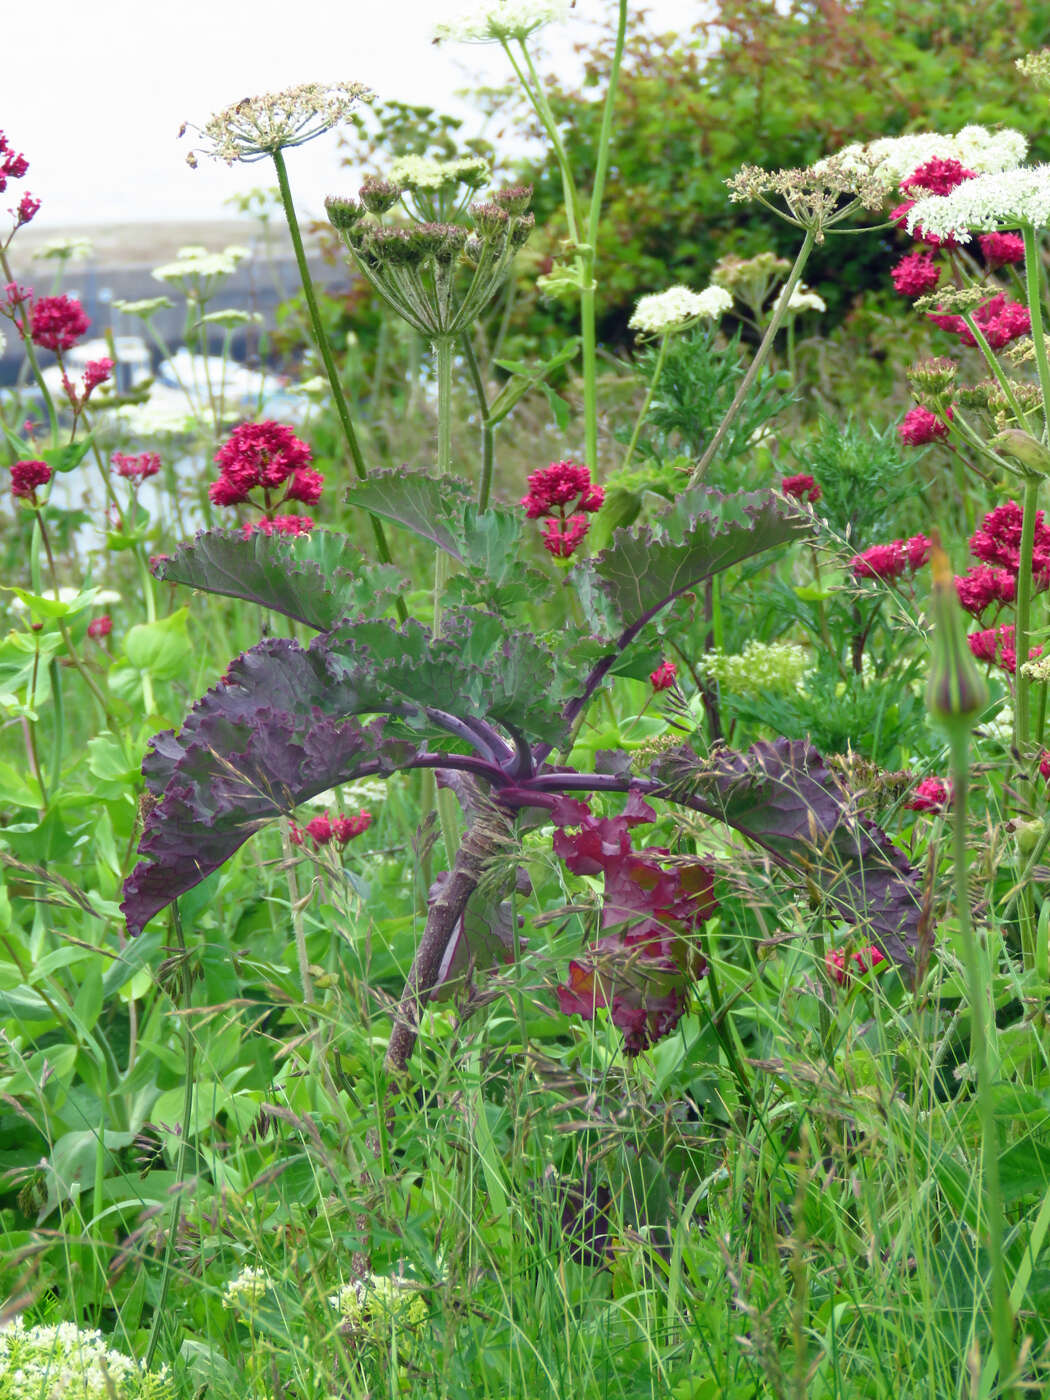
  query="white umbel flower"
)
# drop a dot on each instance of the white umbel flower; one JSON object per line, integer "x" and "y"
{"x": 1001, "y": 201}
{"x": 801, "y": 299}
{"x": 425, "y": 173}
{"x": 892, "y": 159}
{"x": 61, "y": 1362}
{"x": 499, "y": 20}
{"x": 678, "y": 307}
{"x": 194, "y": 261}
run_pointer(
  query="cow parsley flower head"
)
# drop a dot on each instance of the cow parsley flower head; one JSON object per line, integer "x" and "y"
{"x": 257, "y": 127}
{"x": 495, "y": 21}
{"x": 1006, "y": 199}
{"x": 801, "y": 299}
{"x": 678, "y": 307}
{"x": 194, "y": 261}
{"x": 425, "y": 173}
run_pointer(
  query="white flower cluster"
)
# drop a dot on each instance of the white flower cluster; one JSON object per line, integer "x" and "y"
{"x": 245, "y": 1292}
{"x": 63, "y": 1363}
{"x": 424, "y": 173}
{"x": 893, "y": 158}
{"x": 375, "y": 1303}
{"x": 498, "y": 20}
{"x": 65, "y": 250}
{"x": 801, "y": 299}
{"x": 257, "y": 127}
{"x": 678, "y": 307}
{"x": 194, "y": 261}
{"x": 762, "y": 667}
{"x": 1004, "y": 200}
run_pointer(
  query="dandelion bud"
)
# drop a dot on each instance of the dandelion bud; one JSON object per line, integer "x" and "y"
{"x": 956, "y": 692}
{"x": 342, "y": 213}
{"x": 1023, "y": 448}
{"x": 379, "y": 195}
{"x": 514, "y": 198}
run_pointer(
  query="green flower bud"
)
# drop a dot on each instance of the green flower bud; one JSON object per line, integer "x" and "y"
{"x": 491, "y": 220}
{"x": 342, "y": 213}
{"x": 514, "y": 198}
{"x": 379, "y": 195}
{"x": 521, "y": 229}
{"x": 1021, "y": 447}
{"x": 956, "y": 692}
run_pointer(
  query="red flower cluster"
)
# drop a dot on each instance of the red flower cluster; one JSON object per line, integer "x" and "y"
{"x": 998, "y": 541}
{"x": 999, "y": 320}
{"x": 322, "y": 831}
{"x": 867, "y": 959}
{"x": 802, "y": 487}
{"x": 983, "y": 586}
{"x": 27, "y": 476}
{"x": 931, "y": 795}
{"x": 100, "y": 626}
{"x": 996, "y": 646}
{"x": 279, "y": 525}
{"x": 890, "y": 561}
{"x": 266, "y": 455}
{"x": 663, "y": 678}
{"x": 26, "y": 210}
{"x": 1044, "y": 764}
{"x": 920, "y": 426}
{"x": 96, "y": 372}
{"x": 12, "y": 166}
{"x": 135, "y": 466}
{"x": 938, "y": 176}
{"x": 551, "y": 491}
{"x": 1001, "y": 248}
{"x": 57, "y": 323}
{"x": 916, "y": 274}
{"x": 643, "y": 965}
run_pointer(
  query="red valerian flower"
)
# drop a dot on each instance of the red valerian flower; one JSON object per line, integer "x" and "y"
{"x": 12, "y": 166}
{"x": 264, "y": 456}
{"x": 998, "y": 541}
{"x": 1001, "y": 248}
{"x": 931, "y": 795}
{"x": 938, "y": 176}
{"x": 346, "y": 828}
{"x": 135, "y": 466}
{"x": 867, "y": 959}
{"x": 802, "y": 487}
{"x": 279, "y": 525}
{"x": 28, "y": 207}
{"x": 96, "y": 372}
{"x": 565, "y": 494}
{"x": 663, "y": 678}
{"x": 57, "y": 323}
{"x": 642, "y": 967}
{"x": 100, "y": 626}
{"x": 562, "y": 537}
{"x": 999, "y": 321}
{"x": 320, "y": 830}
{"x": 27, "y": 476}
{"x": 915, "y": 274}
{"x": 323, "y": 830}
{"x": 890, "y": 561}
{"x": 919, "y": 426}
{"x": 1044, "y": 764}
{"x": 985, "y": 585}
{"x": 996, "y": 646}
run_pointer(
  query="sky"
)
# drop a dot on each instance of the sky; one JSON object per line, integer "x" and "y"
{"x": 99, "y": 90}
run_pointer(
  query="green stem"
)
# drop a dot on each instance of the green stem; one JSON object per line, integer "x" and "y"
{"x": 661, "y": 355}
{"x": 302, "y": 957}
{"x": 1024, "y": 604}
{"x": 325, "y": 349}
{"x": 761, "y": 354}
{"x": 995, "y": 1222}
{"x": 160, "y": 1312}
{"x": 74, "y": 655}
{"x": 487, "y": 426}
{"x": 447, "y": 806}
{"x": 1033, "y": 284}
{"x": 34, "y": 363}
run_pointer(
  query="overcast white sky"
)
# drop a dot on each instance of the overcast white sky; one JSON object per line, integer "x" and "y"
{"x": 94, "y": 91}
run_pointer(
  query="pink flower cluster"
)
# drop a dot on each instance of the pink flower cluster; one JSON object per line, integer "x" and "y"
{"x": 265, "y": 456}
{"x": 999, "y": 320}
{"x": 552, "y": 490}
{"x": 802, "y": 487}
{"x": 135, "y": 466}
{"x": 663, "y": 678}
{"x": 931, "y": 795}
{"x": 12, "y": 167}
{"x": 998, "y": 541}
{"x": 993, "y": 582}
{"x": 867, "y": 960}
{"x": 920, "y": 426}
{"x": 887, "y": 562}
{"x": 985, "y": 585}
{"x": 100, "y": 626}
{"x": 996, "y": 646}
{"x": 937, "y": 177}
{"x": 323, "y": 830}
{"x": 27, "y": 476}
{"x": 57, "y": 323}
{"x": 1001, "y": 248}
{"x": 279, "y": 525}
{"x": 96, "y": 372}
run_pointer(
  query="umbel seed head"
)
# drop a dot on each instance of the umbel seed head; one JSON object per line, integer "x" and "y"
{"x": 490, "y": 219}
{"x": 514, "y": 198}
{"x": 378, "y": 195}
{"x": 343, "y": 213}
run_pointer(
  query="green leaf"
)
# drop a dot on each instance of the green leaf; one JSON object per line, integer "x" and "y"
{"x": 317, "y": 578}
{"x": 441, "y": 510}
{"x": 559, "y": 408}
{"x": 162, "y": 648}
{"x": 69, "y": 457}
{"x": 699, "y": 535}
{"x": 42, "y": 606}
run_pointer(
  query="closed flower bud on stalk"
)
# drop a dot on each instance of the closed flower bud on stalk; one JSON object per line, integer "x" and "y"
{"x": 956, "y": 692}
{"x": 378, "y": 195}
{"x": 343, "y": 213}
{"x": 1021, "y": 447}
{"x": 514, "y": 198}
